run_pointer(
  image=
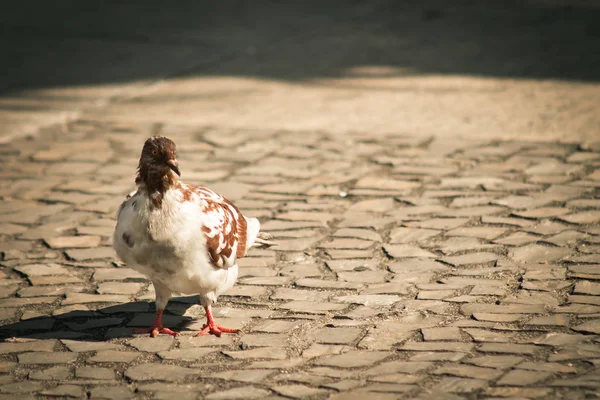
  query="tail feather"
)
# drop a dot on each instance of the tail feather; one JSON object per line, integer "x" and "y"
{"x": 263, "y": 241}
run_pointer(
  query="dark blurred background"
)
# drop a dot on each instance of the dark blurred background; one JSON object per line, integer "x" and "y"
{"x": 48, "y": 44}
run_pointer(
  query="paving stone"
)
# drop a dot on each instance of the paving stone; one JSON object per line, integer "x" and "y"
{"x": 344, "y": 243}
{"x": 507, "y": 348}
{"x": 148, "y": 344}
{"x": 344, "y": 385}
{"x": 342, "y": 254}
{"x": 298, "y": 391}
{"x": 410, "y": 235}
{"x": 407, "y": 251}
{"x": 435, "y": 294}
{"x": 467, "y": 371}
{"x": 275, "y": 353}
{"x": 111, "y": 392}
{"x": 482, "y": 335}
{"x": 437, "y": 346}
{"x": 488, "y": 233}
{"x": 595, "y": 300}
{"x": 311, "y": 307}
{"x": 29, "y": 346}
{"x": 276, "y": 326}
{"x": 551, "y": 320}
{"x": 438, "y": 223}
{"x": 336, "y": 335}
{"x": 263, "y": 340}
{"x": 114, "y": 356}
{"x": 64, "y": 242}
{"x": 535, "y": 253}
{"x": 417, "y": 269}
{"x": 518, "y": 239}
{"x": 472, "y": 211}
{"x": 20, "y": 388}
{"x": 40, "y": 291}
{"x": 160, "y": 372}
{"x": 426, "y": 306}
{"x": 519, "y": 392}
{"x": 129, "y": 288}
{"x": 546, "y": 227}
{"x": 369, "y": 300}
{"x": 187, "y": 354}
{"x": 580, "y": 309}
{"x": 592, "y": 326}
{"x": 437, "y": 356}
{"x": 389, "y": 333}
{"x": 365, "y": 234}
{"x": 82, "y": 298}
{"x": 319, "y": 350}
{"x": 471, "y": 201}
{"x": 79, "y": 346}
{"x": 301, "y": 270}
{"x": 351, "y": 265}
{"x": 117, "y": 274}
{"x": 395, "y": 378}
{"x": 587, "y": 288}
{"x": 204, "y": 341}
{"x": 94, "y": 324}
{"x": 566, "y": 237}
{"x": 378, "y": 276}
{"x": 47, "y": 358}
{"x": 487, "y": 219}
{"x": 91, "y": 253}
{"x": 522, "y": 378}
{"x": 499, "y": 362}
{"x": 249, "y": 376}
{"x": 42, "y": 269}
{"x": 64, "y": 391}
{"x": 245, "y": 392}
{"x": 95, "y": 373}
{"x": 395, "y": 367}
{"x": 471, "y": 259}
{"x": 460, "y": 244}
{"x": 50, "y": 374}
{"x": 548, "y": 367}
{"x": 460, "y": 385}
{"x": 446, "y": 333}
{"x": 388, "y": 388}
{"x": 354, "y": 359}
{"x": 584, "y": 217}
{"x": 27, "y": 301}
{"x": 301, "y": 295}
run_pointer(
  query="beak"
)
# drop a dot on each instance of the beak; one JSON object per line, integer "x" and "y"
{"x": 174, "y": 165}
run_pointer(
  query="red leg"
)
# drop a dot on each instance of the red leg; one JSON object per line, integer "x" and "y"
{"x": 157, "y": 327}
{"x": 212, "y": 327}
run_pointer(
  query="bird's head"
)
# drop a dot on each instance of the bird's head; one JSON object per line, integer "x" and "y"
{"x": 158, "y": 157}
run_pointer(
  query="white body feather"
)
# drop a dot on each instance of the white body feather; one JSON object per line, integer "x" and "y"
{"x": 167, "y": 245}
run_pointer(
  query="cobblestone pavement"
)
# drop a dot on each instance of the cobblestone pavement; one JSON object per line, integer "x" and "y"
{"x": 406, "y": 268}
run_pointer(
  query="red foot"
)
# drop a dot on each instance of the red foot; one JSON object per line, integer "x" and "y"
{"x": 157, "y": 327}
{"x": 155, "y": 330}
{"x": 216, "y": 330}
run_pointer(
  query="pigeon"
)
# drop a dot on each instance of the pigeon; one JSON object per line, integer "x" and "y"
{"x": 186, "y": 239}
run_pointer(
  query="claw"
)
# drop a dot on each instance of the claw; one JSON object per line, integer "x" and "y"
{"x": 212, "y": 327}
{"x": 157, "y": 328}
{"x": 216, "y": 330}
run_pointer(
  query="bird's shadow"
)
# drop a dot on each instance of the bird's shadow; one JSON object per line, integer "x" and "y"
{"x": 115, "y": 321}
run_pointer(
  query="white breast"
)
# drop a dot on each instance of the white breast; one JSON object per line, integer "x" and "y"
{"x": 167, "y": 245}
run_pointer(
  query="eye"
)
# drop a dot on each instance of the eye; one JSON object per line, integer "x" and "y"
{"x": 154, "y": 152}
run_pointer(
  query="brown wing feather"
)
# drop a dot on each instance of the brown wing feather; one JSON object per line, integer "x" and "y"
{"x": 223, "y": 225}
